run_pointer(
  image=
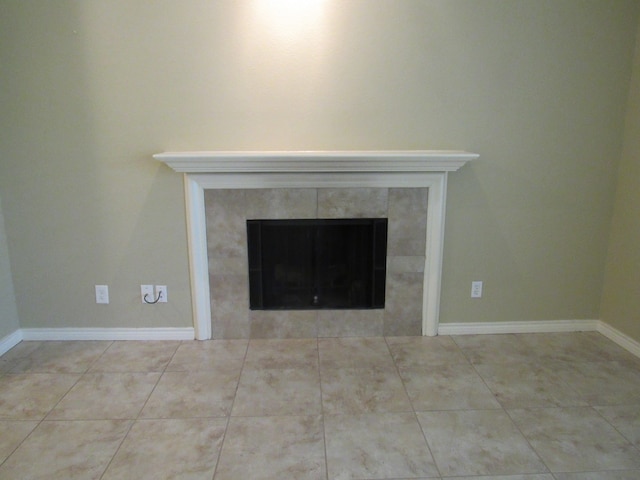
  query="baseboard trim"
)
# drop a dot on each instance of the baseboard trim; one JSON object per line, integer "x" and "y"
{"x": 622, "y": 339}
{"x": 10, "y": 341}
{"x": 46, "y": 334}
{"x": 542, "y": 326}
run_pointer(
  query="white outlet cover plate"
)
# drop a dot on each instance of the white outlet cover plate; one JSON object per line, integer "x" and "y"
{"x": 148, "y": 291}
{"x": 161, "y": 293}
{"x": 476, "y": 289}
{"x": 102, "y": 294}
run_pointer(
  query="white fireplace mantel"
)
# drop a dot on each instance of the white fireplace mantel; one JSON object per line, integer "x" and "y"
{"x": 316, "y": 161}
{"x": 314, "y": 169}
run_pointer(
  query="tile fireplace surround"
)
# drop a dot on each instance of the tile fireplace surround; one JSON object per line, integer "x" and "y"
{"x": 224, "y": 189}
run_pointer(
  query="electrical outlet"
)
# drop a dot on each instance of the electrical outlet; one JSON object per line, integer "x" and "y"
{"x": 476, "y": 289}
{"x": 161, "y": 293}
{"x": 146, "y": 294}
{"x": 102, "y": 294}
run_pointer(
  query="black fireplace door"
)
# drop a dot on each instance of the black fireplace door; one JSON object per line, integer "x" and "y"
{"x": 321, "y": 263}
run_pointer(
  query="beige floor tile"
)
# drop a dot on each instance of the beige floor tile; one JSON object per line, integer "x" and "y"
{"x": 363, "y": 390}
{"x": 626, "y": 419}
{"x": 20, "y": 351}
{"x": 369, "y": 352}
{"x": 187, "y": 449}
{"x": 528, "y": 386}
{"x": 501, "y": 349}
{"x": 4, "y": 366}
{"x": 575, "y": 439}
{"x": 602, "y": 383}
{"x": 285, "y": 353}
{"x": 66, "y": 450}
{"x": 32, "y": 396}
{"x": 425, "y": 352}
{"x": 102, "y": 396}
{"x": 573, "y": 347}
{"x": 447, "y": 387}
{"x": 613, "y": 351}
{"x": 219, "y": 355}
{"x": 130, "y": 356}
{"x": 272, "y": 393}
{"x": 388, "y": 445}
{"x": 60, "y": 357}
{"x": 478, "y": 442}
{"x": 626, "y": 475}
{"x": 535, "y": 476}
{"x": 268, "y": 448}
{"x": 289, "y": 391}
{"x": 192, "y": 394}
{"x": 12, "y": 433}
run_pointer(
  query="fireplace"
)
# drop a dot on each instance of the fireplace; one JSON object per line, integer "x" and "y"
{"x": 270, "y": 173}
{"x": 306, "y": 264}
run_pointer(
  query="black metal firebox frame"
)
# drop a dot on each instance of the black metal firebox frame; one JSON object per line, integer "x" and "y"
{"x": 305, "y": 264}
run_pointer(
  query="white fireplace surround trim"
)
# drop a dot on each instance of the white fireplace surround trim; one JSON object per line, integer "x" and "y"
{"x": 314, "y": 169}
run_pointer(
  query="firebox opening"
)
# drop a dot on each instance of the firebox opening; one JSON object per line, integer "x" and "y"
{"x": 317, "y": 264}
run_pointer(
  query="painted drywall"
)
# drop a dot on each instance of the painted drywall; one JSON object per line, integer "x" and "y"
{"x": 8, "y": 311}
{"x": 92, "y": 89}
{"x": 621, "y": 298}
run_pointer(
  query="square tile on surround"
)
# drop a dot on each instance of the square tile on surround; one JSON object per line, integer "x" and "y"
{"x": 283, "y": 323}
{"x": 350, "y": 323}
{"x": 352, "y": 202}
{"x": 407, "y": 221}
{"x": 230, "y": 306}
{"x": 226, "y": 215}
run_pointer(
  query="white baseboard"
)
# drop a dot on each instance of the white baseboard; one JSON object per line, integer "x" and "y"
{"x": 10, "y": 341}
{"x": 44, "y": 334}
{"x": 622, "y": 339}
{"x": 545, "y": 326}
{"x": 542, "y": 326}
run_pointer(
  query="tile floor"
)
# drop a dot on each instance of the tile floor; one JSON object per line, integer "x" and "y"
{"x": 511, "y": 407}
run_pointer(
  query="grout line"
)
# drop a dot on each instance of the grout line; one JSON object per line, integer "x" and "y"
{"x": 228, "y": 417}
{"x": 413, "y": 410}
{"x": 322, "y": 413}
{"x": 137, "y": 417}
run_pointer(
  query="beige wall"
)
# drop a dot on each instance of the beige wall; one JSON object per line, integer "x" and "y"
{"x": 8, "y": 311}
{"x": 92, "y": 88}
{"x": 621, "y": 298}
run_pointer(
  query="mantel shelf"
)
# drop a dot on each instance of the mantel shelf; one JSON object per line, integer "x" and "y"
{"x": 316, "y": 161}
